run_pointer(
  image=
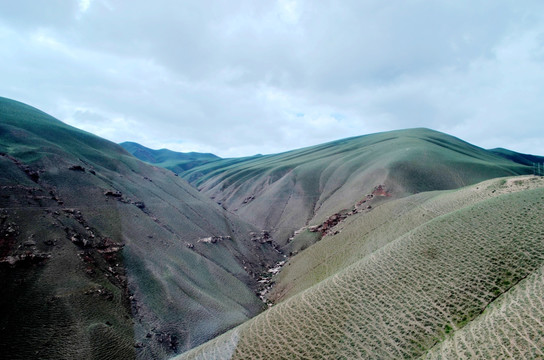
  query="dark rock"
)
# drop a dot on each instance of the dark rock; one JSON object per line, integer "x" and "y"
{"x": 77, "y": 168}
{"x": 116, "y": 194}
{"x": 139, "y": 204}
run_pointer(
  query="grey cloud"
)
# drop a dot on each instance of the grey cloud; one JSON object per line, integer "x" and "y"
{"x": 231, "y": 77}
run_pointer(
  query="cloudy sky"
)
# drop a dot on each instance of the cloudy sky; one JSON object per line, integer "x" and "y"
{"x": 243, "y": 77}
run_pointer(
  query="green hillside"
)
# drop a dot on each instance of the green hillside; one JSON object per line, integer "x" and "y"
{"x": 404, "y": 244}
{"x": 458, "y": 274}
{"x": 284, "y": 192}
{"x": 524, "y": 159}
{"x": 172, "y": 160}
{"x": 103, "y": 256}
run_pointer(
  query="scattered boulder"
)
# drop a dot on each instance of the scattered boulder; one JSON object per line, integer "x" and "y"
{"x": 139, "y": 204}
{"x": 213, "y": 239}
{"x": 248, "y": 199}
{"x": 77, "y": 168}
{"x": 115, "y": 194}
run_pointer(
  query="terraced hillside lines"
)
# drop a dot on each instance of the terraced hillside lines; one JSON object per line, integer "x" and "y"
{"x": 364, "y": 233}
{"x": 284, "y": 192}
{"x": 510, "y": 328}
{"x": 406, "y": 297}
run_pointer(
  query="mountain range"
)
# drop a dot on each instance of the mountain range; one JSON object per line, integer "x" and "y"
{"x": 403, "y": 244}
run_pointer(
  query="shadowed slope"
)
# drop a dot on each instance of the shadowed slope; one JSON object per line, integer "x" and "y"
{"x": 524, "y": 159}
{"x": 414, "y": 291}
{"x": 116, "y": 238}
{"x": 172, "y": 160}
{"x": 287, "y": 191}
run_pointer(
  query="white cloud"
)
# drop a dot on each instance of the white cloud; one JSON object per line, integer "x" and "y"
{"x": 84, "y": 5}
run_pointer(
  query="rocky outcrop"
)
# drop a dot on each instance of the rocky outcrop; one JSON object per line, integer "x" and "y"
{"x": 364, "y": 204}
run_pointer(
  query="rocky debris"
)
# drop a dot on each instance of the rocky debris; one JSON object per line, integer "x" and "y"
{"x": 50, "y": 242}
{"x": 77, "y": 168}
{"x": 29, "y": 243}
{"x": 117, "y": 195}
{"x": 190, "y": 246}
{"x": 33, "y": 174}
{"x": 277, "y": 268}
{"x": 327, "y": 226}
{"x": 27, "y": 258}
{"x": 86, "y": 258}
{"x": 11, "y": 229}
{"x": 112, "y": 193}
{"x": 297, "y": 232}
{"x": 108, "y": 246}
{"x": 380, "y": 190}
{"x": 263, "y": 237}
{"x": 139, "y": 204}
{"x": 213, "y": 239}
{"x": 248, "y": 199}
{"x": 80, "y": 241}
{"x": 265, "y": 282}
{"x": 101, "y": 292}
{"x": 169, "y": 340}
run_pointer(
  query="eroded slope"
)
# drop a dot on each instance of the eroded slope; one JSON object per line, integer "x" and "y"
{"x": 287, "y": 191}
{"x": 367, "y": 231}
{"x": 409, "y": 295}
{"x": 101, "y": 253}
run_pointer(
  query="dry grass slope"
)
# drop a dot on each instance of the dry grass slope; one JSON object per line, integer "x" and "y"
{"x": 413, "y": 293}
{"x": 366, "y": 232}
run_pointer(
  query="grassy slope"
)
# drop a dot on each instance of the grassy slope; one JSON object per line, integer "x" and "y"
{"x": 409, "y": 294}
{"x": 182, "y": 296}
{"x": 378, "y": 227}
{"x": 510, "y": 328}
{"x": 172, "y": 160}
{"x": 306, "y": 186}
{"x": 524, "y": 159}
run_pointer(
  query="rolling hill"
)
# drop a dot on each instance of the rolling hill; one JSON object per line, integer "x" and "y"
{"x": 403, "y": 244}
{"x": 445, "y": 274}
{"x": 104, "y": 256}
{"x": 172, "y": 160}
{"x": 283, "y": 193}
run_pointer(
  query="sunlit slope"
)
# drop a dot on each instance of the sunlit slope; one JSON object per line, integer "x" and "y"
{"x": 510, "y": 328}
{"x": 364, "y": 233}
{"x": 409, "y": 295}
{"x": 172, "y": 160}
{"x": 286, "y": 191}
{"x": 70, "y": 201}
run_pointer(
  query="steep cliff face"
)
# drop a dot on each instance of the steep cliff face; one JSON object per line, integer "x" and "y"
{"x": 100, "y": 253}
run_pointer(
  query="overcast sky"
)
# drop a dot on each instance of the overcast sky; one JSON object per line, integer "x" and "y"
{"x": 243, "y": 77}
